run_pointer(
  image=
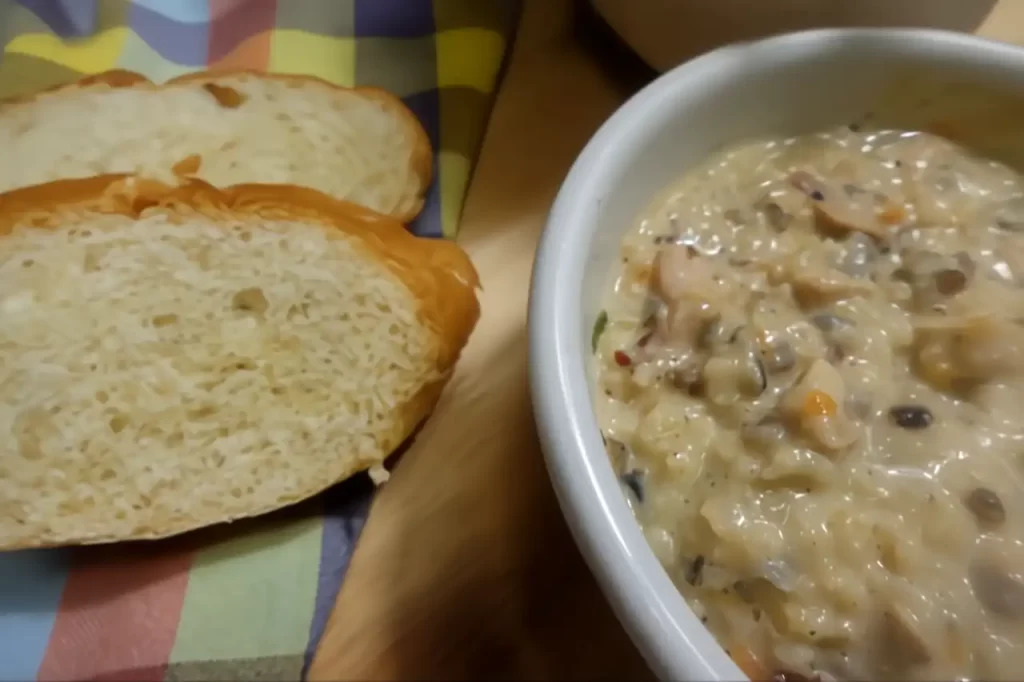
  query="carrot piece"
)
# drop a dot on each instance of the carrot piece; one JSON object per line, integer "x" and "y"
{"x": 819, "y": 404}
{"x": 892, "y": 214}
{"x": 746, "y": 661}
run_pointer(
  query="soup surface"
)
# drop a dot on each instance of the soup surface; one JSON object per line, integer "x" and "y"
{"x": 811, "y": 382}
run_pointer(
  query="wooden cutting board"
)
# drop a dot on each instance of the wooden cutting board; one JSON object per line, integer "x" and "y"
{"x": 465, "y": 568}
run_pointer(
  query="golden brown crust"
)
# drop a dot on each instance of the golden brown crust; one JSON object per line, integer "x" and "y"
{"x": 437, "y": 272}
{"x": 115, "y": 78}
{"x": 422, "y": 153}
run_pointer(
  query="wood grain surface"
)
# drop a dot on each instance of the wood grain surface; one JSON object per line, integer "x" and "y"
{"x": 465, "y": 568}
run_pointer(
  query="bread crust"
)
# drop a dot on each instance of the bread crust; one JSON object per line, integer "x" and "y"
{"x": 421, "y": 154}
{"x": 438, "y": 273}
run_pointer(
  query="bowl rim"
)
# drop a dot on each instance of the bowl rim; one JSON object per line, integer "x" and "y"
{"x": 663, "y": 627}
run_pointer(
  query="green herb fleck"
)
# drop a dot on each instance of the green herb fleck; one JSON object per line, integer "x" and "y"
{"x": 602, "y": 322}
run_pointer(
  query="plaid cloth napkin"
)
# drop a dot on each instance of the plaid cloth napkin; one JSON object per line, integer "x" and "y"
{"x": 247, "y": 600}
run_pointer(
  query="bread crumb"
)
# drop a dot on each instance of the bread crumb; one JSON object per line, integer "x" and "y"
{"x": 379, "y": 475}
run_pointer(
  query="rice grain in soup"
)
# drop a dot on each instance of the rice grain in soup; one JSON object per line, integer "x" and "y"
{"x": 811, "y": 374}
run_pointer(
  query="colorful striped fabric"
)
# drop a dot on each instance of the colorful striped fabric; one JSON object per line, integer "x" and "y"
{"x": 249, "y": 600}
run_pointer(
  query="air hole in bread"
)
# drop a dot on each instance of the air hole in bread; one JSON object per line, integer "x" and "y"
{"x": 27, "y": 263}
{"x": 165, "y": 320}
{"x": 102, "y": 397}
{"x": 202, "y": 412}
{"x": 118, "y": 423}
{"x": 250, "y": 300}
{"x": 297, "y": 309}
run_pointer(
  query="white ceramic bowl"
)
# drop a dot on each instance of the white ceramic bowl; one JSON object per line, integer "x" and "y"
{"x": 783, "y": 85}
{"x": 667, "y": 32}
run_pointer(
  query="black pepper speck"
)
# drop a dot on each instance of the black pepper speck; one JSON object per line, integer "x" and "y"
{"x": 695, "y": 572}
{"x": 817, "y": 195}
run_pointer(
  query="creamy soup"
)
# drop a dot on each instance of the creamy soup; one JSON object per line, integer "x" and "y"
{"x": 811, "y": 382}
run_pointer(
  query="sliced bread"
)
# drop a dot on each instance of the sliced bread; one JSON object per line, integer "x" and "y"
{"x": 358, "y": 144}
{"x": 174, "y": 357}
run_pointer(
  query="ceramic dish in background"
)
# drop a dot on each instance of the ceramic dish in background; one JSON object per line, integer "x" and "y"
{"x": 665, "y": 33}
{"x": 784, "y": 85}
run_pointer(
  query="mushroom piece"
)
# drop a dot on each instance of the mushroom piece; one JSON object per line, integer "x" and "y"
{"x": 997, "y": 590}
{"x": 676, "y": 332}
{"x": 764, "y": 433}
{"x": 830, "y": 322}
{"x": 838, "y": 209}
{"x": 685, "y": 283}
{"x": 934, "y": 277}
{"x": 990, "y": 349}
{"x": 817, "y": 284}
{"x": 633, "y": 483}
{"x": 720, "y": 331}
{"x": 1010, "y": 216}
{"x": 986, "y": 506}
{"x": 734, "y": 375}
{"x": 776, "y": 216}
{"x": 903, "y": 644}
{"x": 967, "y": 349}
{"x": 680, "y": 272}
